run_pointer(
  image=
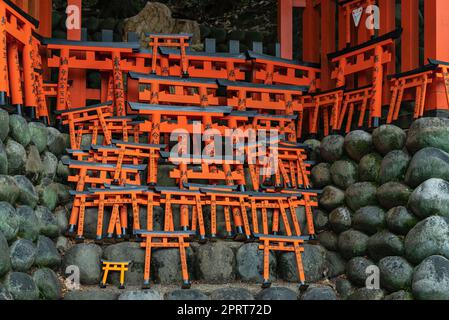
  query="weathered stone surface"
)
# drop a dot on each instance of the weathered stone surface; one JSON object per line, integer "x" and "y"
{"x": 352, "y": 243}
{"x": 321, "y": 175}
{"x": 87, "y": 257}
{"x": 215, "y": 263}
{"x": 91, "y": 295}
{"x": 357, "y": 268}
{"x": 21, "y": 286}
{"x": 369, "y": 168}
{"x": 329, "y": 240}
{"x": 28, "y": 223}
{"x": 369, "y": 219}
{"x": 19, "y": 129}
{"x": 331, "y": 198}
{"x": 321, "y": 220}
{"x": 340, "y": 219}
{"x": 249, "y": 263}
{"x": 315, "y": 149}
{"x": 17, "y": 157}
{"x": 314, "y": 262}
{"x": 62, "y": 244}
{"x": 5, "y": 260}
{"x": 47, "y": 222}
{"x": 344, "y": 288}
{"x": 9, "y": 191}
{"x": 55, "y": 141}
{"x": 4, "y": 124}
{"x": 367, "y": 294}
{"x": 400, "y": 220}
{"x": 358, "y": 144}
{"x": 231, "y": 294}
{"x": 157, "y": 18}
{"x": 142, "y": 295}
{"x": 395, "y": 273}
{"x": 28, "y": 195}
{"x": 23, "y": 254}
{"x": 62, "y": 171}
{"x": 48, "y": 284}
{"x": 167, "y": 266}
{"x": 3, "y": 159}
{"x": 50, "y": 164}
{"x": 319, "y": 293}
{"x": 186, "y": 295}
{"x": 428, "y": 237}
{"x": 430, "y": 198}
{"x": 47, "y": 254}
{"x": 48, "y": 195}
{"x": 33, "y": 165}
{"x": 399, "y": 296}
{"x": 38, "y": 135}
{"x": 384, "y": 244}
{"x": 360, "y": 195}
{"x": 344, "y": 173}
{"x": 431, "y": 279}
{"x": 5, "y": 295}
{"x": 428, "y": 132}
{"x": 393, "y": 194}
{"x": 426, "y": 164}
{"x": 335, "y": 264}
{"x": 9, "y": 222}
{"x": 394, "y": 166}
{"x": 277, "y": 293}
{"x": 62, "y": 221}
{"x": 331, "y": 148}
{"x": 387, "y": 138}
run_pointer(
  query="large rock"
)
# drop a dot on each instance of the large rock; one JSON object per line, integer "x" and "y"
{"x": 9, "y": 222}
{"x": 48, "y": 195}
{"x": 19, "y": 130}
{"x": 430, "y": 198}
{"x": 384, "y": 244}
{"x": 400, "y": 220}
{"x": 428, "y": 132}
{"x": 4, "y": 124}
{"x": 358, "y": 144}
{"x": 28, "y": 194}
{"x": 314, "y": 262}
{"x": 277, "y": 293}
{"x": 395, "y": 273}
{"x": 332, "y": 148}
{"x": 21, "y": 286}
{"x": 28, "y": 223}
{"x": 56, "y": 143}
{"x": 331, "y": 198}
{"x": 394, "y": 166}
{"x": 50, "y": 165}
{"x": 47, "y": 222}
{"x": 393, "y": 194}
{"x": 5, "y": 260}
{"x": 321, "y": 175}
{"x": 344, "y": 173}
{"x": 357, "y": 268}
{"x": 367, "y": 294}
{"x": 329, "y": 240}
{"x": 387, "y": 138}
{"x": 249, "y": 261}
{"x": 3, "y": 159}
{"x": 426, "y": 164}
{"x": 314, "y": 145}
{"x": 9, "y": 191}
{"x": 33, "y": 165}
{"x": 48, "y": 283}
{"x": 23, "y": 254}
{"x": 17, "y": 157}
{"x": 87, "y": 258}
{"x": 167, "y": 266}
{"x": 319, "y": 293}
{"x": 344, "y": 288}
{"x": 142, "y": 295}
{"x": 321, "y": 220}
{"x": 215, "y": 263}
{"x": 352, "y": 243}
{"x": 186, "y": 295}
{"x": 38, "y": 135}
{"x": 47, "y": 254}
{"x": 5, "y": 295}
{"x": 431, "y": 279}
{"x": 335, "y": 264}
{"x": 369, "y": 168}
{"x": 157, "y": 18}
{"x": 429, "y": 237}
{"x": 91, "y": 295}
{"x": 399, "y": 296}
{"x": 61, "y": 215}
{"x": 63, "y": 171}
{"x": 360, "y": 195}
{"x": 231, "y": 294}
{"x": 340, "y": 219}
{"x": 370, "y": 219}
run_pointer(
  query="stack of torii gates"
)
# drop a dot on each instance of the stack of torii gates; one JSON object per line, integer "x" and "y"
{"x": 147, "y": 95}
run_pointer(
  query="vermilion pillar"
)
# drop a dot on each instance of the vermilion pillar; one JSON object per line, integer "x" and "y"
{"x": 285, "y": 28}
{"x": 328, "y": 13}
{"x": 410, "y": 40}
{"x": 45, "y": 9}
{"x": 311, "y": 32}
{"x": 436, "y": 46}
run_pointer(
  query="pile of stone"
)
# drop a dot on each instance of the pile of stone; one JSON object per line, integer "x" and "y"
{"x": 386, "y": 204}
